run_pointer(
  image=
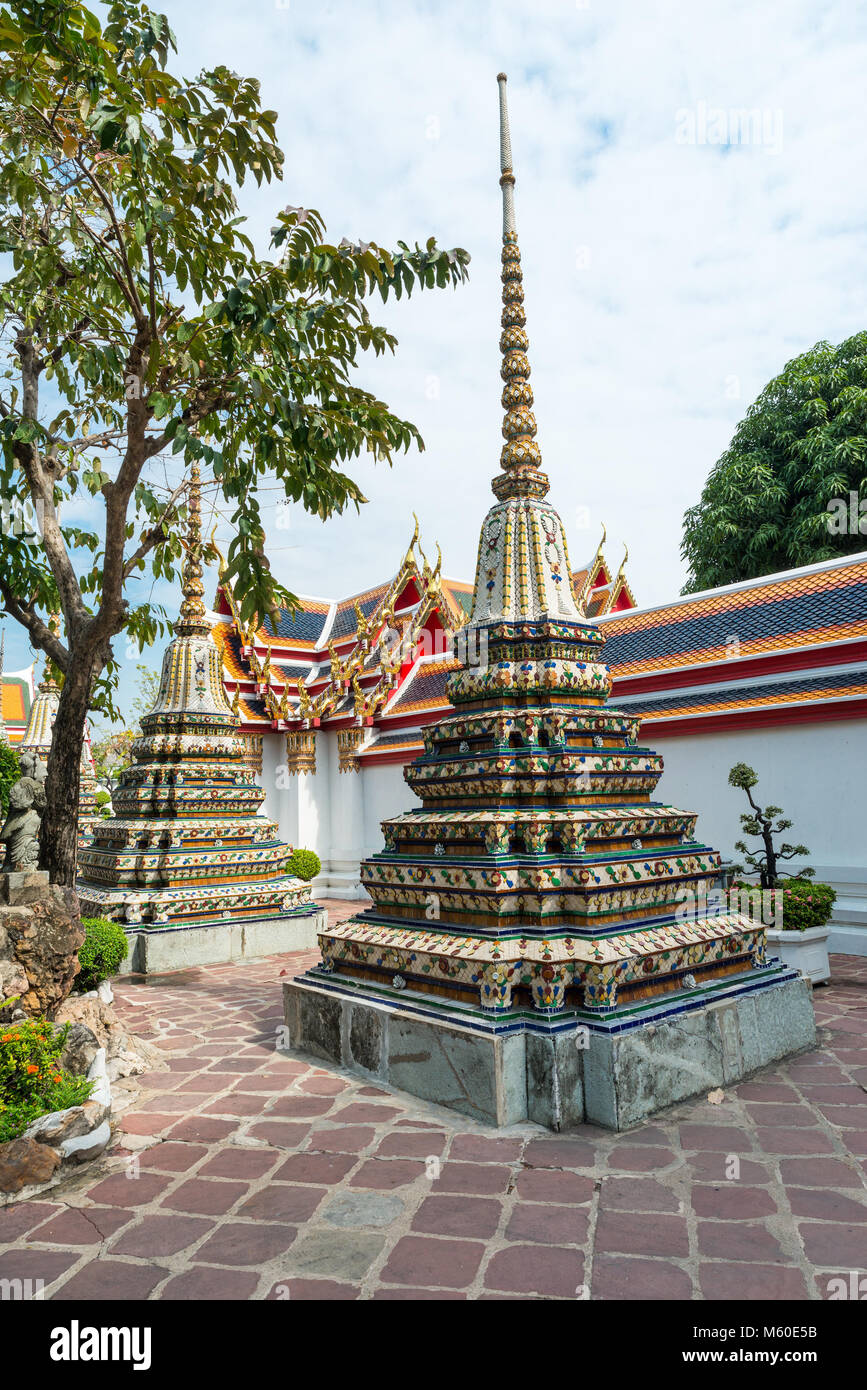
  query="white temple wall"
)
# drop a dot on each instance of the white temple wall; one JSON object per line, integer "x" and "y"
{"x": 386, "y": 794}
{"x": 359, "y": 802}
{"x": 298, "y": 803}
{"x": 816, "y": 772}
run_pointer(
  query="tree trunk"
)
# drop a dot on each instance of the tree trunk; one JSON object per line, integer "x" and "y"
{"x": 770, "y": 874}
{"x": 58, "y": 836}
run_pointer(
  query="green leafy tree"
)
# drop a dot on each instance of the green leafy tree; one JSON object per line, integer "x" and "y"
{"x": 760, "y": 822}
{"x": 112, "y": 751}
{"x": 137, "y": 319}
{"x": 779, "y": 497}
{"x": 148, "y": 690}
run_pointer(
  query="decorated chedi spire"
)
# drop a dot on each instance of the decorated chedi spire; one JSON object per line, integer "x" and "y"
{"x": 558, "y": 882}
{"x": 192, "y": 621}
{"x": 40, "y": 731}
{"x": 40, "y": 722}
{"x": 523, "y": 571}
{"x": 521, "y": 457}
{"x": 186, "y": 846}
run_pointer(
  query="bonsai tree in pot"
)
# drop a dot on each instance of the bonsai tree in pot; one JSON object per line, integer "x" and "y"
{"x": 806, "y": 906}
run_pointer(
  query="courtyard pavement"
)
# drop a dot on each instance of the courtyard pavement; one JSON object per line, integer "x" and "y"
{"x": 266, "y": 1176}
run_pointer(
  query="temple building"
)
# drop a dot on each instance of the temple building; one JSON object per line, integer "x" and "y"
{"x": 16, "y": 697}
{"x": 771, "y": 671}
{"x": 526, "y": 954}
{"x": 186, "y": 862}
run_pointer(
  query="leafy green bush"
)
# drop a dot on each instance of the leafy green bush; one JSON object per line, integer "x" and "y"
{"x": 32, "y": 1081}
{"x": 305, "y": 863}
{"x": 805, "y": 904}
{"x": 105, "y": 946}
{"x": 103, "y": 803}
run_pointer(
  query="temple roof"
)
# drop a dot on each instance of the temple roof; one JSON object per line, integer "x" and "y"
{"x": 17, "y": 697}
{"x": 800, "y": 607}
{"x": 783, "y": 647}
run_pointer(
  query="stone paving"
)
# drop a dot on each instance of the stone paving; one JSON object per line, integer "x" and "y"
{"x": 245, "y": 1173}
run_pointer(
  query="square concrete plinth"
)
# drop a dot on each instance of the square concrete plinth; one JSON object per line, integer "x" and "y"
{"x": 158, "y": 950}
{"x": 558, "y": 1072}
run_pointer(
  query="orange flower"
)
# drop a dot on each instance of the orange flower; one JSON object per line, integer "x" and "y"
{"x": 58, "y": 1078}
{"x": 32, "y": 1068}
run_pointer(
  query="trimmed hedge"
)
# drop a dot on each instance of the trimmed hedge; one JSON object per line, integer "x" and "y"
{"x": 105, "y": 946}
{"x": 305, "y": 863}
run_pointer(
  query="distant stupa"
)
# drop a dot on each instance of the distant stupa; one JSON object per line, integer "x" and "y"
{"x": 185, "y": 846}
{"x": 38, "y": 735}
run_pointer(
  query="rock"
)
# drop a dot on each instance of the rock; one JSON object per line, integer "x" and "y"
{"x": 19, "y": 888}
{"x": 131, "y": 1143}
{"x": 89, "y": 1009}
{"x": 127, "y": 1063}
{"x": 101, "y": 1093}
{"x": 79, "y": 1050}
{"x": 24, "y": 1162}
{"x": 13, "y": 982}
{"x": 87, "y": 1146}
{"x": 59, "y": 1125}
{"x": 44, "y": 938}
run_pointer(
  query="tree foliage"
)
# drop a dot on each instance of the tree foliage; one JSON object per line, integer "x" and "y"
{"x": 766, "y": 506}
{"x": 9, "y": 773}
{"x": 759, "y": 822}
{"x": 138, "y": 320}
{"x": 112, "y": 751}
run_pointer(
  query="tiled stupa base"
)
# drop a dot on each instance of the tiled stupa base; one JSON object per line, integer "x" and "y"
{"x": 559, "y": 1072}
{"x": 158, "y": 950}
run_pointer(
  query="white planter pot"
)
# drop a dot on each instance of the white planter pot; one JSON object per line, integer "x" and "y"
{"x": 806, "y": 951}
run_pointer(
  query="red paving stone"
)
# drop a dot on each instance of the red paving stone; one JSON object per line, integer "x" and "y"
{"x": 622, "y": 1277}
{"x": 436, "y": 1262}
{"x": 458, "y": 1216}
{"x": 748, "y": 1240}
{"x": 238, "y": 1155}
{"x": 554, "y": 1272}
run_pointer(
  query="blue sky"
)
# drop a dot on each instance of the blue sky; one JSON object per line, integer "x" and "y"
{"x": 668, "y": 274}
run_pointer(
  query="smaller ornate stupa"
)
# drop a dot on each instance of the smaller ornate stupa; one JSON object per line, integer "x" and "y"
{"x": 186, "y": 846}
{"x": 38, "y": 735}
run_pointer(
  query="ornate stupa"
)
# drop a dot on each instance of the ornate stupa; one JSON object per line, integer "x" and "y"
{"x": 185, "y": 846}
{"x": 534, "y": 912}
{"x": 38, "y": 735}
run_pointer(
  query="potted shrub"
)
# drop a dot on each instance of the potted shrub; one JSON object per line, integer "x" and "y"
{"x": 801, "y": 940}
